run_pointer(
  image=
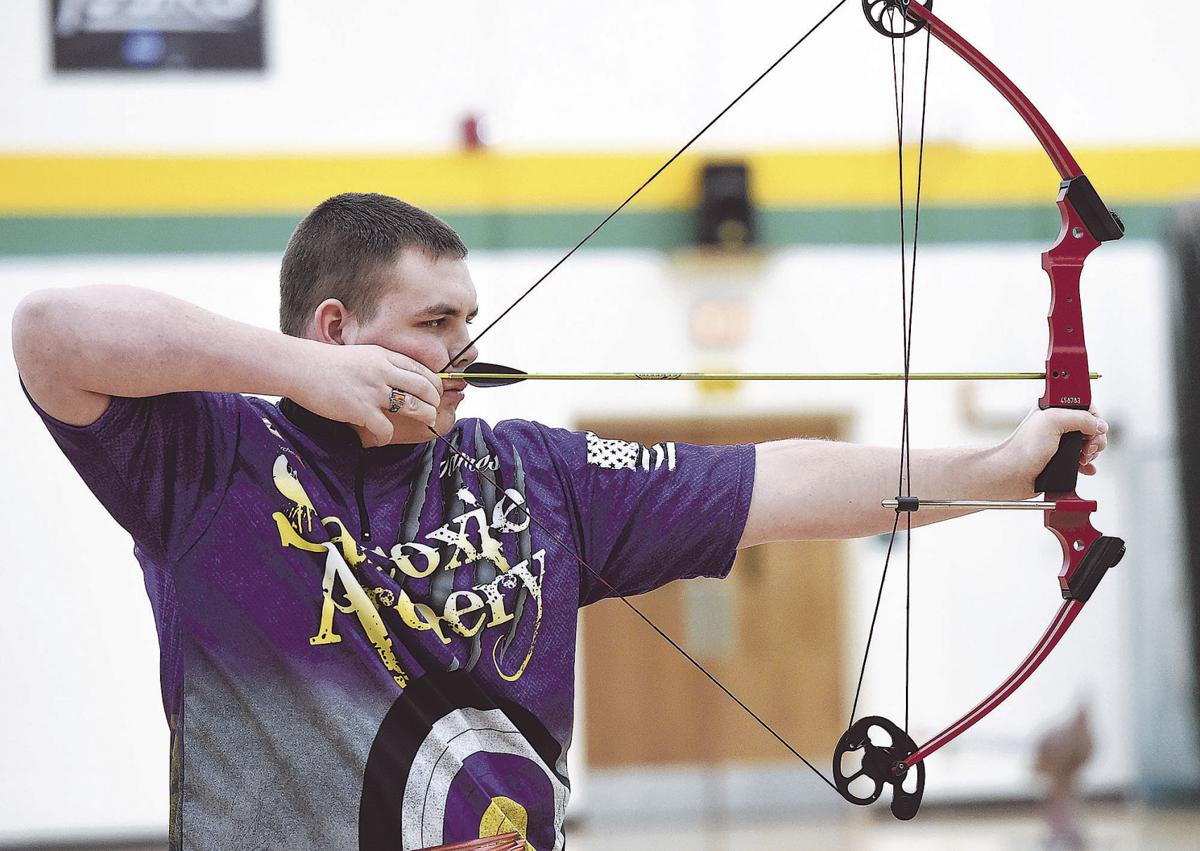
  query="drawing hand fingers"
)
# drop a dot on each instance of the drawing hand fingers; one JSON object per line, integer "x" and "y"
{"x": 404, "y": 402}
{"x": 379, "y": 427}
{"x": 423, "y": 382}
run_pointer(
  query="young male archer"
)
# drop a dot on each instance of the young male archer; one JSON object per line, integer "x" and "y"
{"x": 365, "y": 640}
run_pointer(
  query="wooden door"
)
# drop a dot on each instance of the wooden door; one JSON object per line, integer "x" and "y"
{"x": 771, "y": 631}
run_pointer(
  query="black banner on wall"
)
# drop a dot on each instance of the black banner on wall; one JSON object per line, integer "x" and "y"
{"x": 156, "y": 35}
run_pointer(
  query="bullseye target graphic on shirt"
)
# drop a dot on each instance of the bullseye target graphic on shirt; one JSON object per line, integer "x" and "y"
{"x": 449, "y": 763}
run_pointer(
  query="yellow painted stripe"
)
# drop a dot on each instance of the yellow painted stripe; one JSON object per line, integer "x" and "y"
{"x": 488, "y": 182}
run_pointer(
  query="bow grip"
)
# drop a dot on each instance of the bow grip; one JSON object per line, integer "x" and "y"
{"x": 1060, "y": 475}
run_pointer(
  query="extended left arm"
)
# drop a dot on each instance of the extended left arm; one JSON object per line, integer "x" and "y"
{"x": 820, "y": 490}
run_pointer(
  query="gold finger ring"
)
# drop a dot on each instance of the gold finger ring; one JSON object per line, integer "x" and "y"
{"x": 398, "y": 400}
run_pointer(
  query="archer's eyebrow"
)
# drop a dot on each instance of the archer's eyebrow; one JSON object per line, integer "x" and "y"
{"x": 446, "y": 310}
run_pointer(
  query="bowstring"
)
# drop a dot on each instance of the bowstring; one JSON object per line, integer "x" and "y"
{"x": 561, "y": 544}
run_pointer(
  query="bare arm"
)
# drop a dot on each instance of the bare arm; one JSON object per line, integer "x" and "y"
{"x": 77, "y": 348}
{"x": 815, "y": 489}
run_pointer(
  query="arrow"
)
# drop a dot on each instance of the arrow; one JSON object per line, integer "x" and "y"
{"x": 495, "y": 375}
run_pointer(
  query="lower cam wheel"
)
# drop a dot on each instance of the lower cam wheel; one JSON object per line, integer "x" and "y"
{"x": 867, "y": 765}
{"x": 892, "y": 18}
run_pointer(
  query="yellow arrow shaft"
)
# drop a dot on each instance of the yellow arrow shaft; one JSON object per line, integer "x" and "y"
{"x": 752, "y": 376}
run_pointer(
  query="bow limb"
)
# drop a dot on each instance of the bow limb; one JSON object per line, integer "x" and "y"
{"x": 1058, "y": 627}
{"x": 1087, "y": 556}
{"x": 1063, "y": 161}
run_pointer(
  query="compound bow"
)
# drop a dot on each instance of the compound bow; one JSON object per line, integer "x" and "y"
{"x": 1087, "y": 554}
{"x": 859, "y": 760}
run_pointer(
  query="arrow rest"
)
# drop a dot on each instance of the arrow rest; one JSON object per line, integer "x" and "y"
{"x": 883, "y": 16}
{"x": 880, "y": 765}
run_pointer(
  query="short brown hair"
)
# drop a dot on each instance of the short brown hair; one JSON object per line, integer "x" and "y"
{"x": 340, "y": 249}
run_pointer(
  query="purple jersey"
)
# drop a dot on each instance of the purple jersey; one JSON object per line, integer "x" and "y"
{"x": 375, "y": 648}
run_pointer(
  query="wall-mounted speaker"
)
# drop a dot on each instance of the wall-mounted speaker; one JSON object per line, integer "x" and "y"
{"x": 725, "y": 217}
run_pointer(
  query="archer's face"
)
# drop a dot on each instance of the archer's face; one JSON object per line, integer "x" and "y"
{"x": 425, "y": 315}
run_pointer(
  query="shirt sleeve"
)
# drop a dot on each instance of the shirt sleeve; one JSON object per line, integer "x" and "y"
{"x": 648, "y": 515}
{"x": 159, "y": 465}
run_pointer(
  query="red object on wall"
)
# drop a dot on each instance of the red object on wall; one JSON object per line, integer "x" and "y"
{"x": 470, "y": 133}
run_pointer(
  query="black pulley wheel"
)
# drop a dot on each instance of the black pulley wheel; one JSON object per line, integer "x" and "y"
{"x": 892, "y": 17}
{"x": 882, "y": 764}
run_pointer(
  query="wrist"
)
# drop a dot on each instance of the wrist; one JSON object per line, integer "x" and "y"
{"x": 1004, "y": 472}
{"x": 290, "y": 367}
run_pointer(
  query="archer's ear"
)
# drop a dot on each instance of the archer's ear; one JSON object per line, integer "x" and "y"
{"x": 332, "y": 323}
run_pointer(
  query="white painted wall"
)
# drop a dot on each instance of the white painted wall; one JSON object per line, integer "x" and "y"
{"x": 84, "y": 740}
{"x": 382, "y": 75}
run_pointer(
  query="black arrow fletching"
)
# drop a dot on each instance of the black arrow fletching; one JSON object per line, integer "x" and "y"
{"x": 492, "y": 370}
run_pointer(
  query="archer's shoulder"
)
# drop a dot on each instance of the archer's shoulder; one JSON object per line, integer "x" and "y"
{"x": 527, "y": 435}
{"x": 514, "y": 428}
{"x": 179, "y": 412}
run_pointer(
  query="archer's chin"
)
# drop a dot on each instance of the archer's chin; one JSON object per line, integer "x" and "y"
{"x": 446, "y": 419}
